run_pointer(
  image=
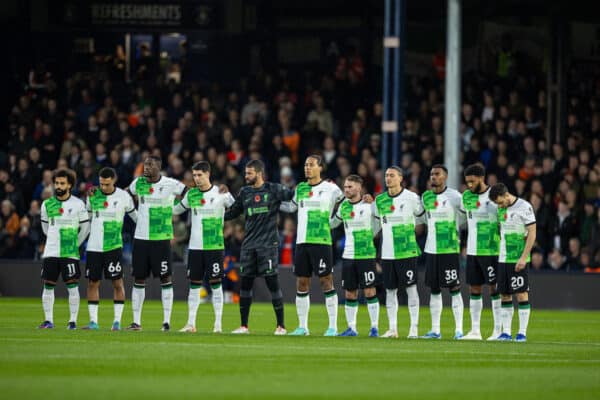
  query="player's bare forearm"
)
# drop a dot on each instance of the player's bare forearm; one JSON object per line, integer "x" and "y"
{"x": 531, "y": 232}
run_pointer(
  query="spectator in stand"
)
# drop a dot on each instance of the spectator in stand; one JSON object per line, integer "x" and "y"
{"x": 556, "y": 260}
{"x": 290, "y": 136}
{"x": 320, "y": 117}
{"x": 574, "y": 258}
{"x": 564, "y": 227}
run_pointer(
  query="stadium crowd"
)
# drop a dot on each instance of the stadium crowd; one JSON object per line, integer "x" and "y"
{"x": 91, "y": 120}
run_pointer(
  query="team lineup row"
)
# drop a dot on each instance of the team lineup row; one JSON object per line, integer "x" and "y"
{"x": 500, "y": 236}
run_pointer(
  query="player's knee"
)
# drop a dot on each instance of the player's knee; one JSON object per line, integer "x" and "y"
{"x": 521, "y": 297}
{"x": 117, "y": 284}
{"x": 247, "y": 283}
{"x": 436, "y": 292}
{"x": 165, "y": 279}
{"x": 476, "y": 289}
{"x": 370, "y": 292}
{"x": 351, "y": 294}
{"x": 455, "y": 289}
{"x": 72, "y": 281}
{"x": 302, "y": 284}
{"x": 272, "y": 283}
{"x": 326, "y": 282}
{"x": 246, "y": 293}
{"x": 215, "y": 281}
{"x": 506, "y": 297}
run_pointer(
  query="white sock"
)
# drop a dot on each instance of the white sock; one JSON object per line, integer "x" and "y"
{"x": 193, "y": 303}
{"x": 73, "y": 302}
{"x": 166, "y": 295}
{"x": 138, "y": 294}
{"x": 435, "y": 308}
{"x": 351, "y": 311}
{"x": 373, "y": 307}
{"x": 391, "y": 305}
{"x": 497, "y": 314}
{"x": 93, "y": 310}
{"x": 48, "y": 303}
{"x": 507, "y": 316}
{"x": 475, "y": 307}
{"x": 413, "y": 305}
{"x": 331, "y": 303}
{"x": 302, "y": 308}
{"x": 217, "y": 301}
{"x": 118, "y": 306}
{"x": 524, "y": 312}
{"x": 458, "y": 308}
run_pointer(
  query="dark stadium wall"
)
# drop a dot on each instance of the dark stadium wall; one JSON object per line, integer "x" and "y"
{"x": 548, "y": 290}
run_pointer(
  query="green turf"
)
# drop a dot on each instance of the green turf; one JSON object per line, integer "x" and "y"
{"x": 560, "y": 361}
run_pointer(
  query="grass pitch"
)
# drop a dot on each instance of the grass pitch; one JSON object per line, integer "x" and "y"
{"x": 560, "y": 361}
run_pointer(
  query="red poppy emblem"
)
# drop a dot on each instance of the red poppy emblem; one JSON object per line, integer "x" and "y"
{"x": 352, "y": 214}
{"x": 203, "y": 201}
{"x": 105, "y": 204}
{"x": 392, "y": 207}
{"x": 505, "y": 216}
{"x": 436, "y": 204}
{"x": 310, "y": 194}
{"x": 61, "y": 210}
{"x": 257, "y": 198}
{"x": 151, "y": 190}
{"x": 478, "y": 204}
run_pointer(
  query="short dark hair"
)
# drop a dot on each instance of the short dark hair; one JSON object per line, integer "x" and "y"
{"x": 440, "y": 166}
{"x": 155, "y": 158}
{"x": 107, "y": 172}
{"x": 355, "y": 178}
{"x": 397, "y": 169}
{"x": 497, "y": 190}
{"x": 203, "y": 166}
{"x": 64, "y": 173}
{"x": 258, "y": 165}
{"x": 475, "y": 170}
{"x": 317, "y": 158}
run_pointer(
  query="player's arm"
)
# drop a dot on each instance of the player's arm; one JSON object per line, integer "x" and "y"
{"x": 419, "y": 212}
{"x": 421, "y": 215}
{"x": 461, "y": 215}
{"x": 182, "y": 206}
{"x": 84, "y": 226}
{"x": 180, "y": 190}
{"x": 236, "y": 209}
{"x": 88, "y": 207}
{"x": 288, "y": 207}
{"x": 528, "y": 218}
{"x": 229, "y": 199}
{"x": 284, "y": 193}
{"x": 368, "y": 198}
{"x": 375, "y": 220}
{"x": 335, "y": 219}
{"x": 131, "y": 211}
{"x": 44, "y": 219}
{"x": 132, "y": 192}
